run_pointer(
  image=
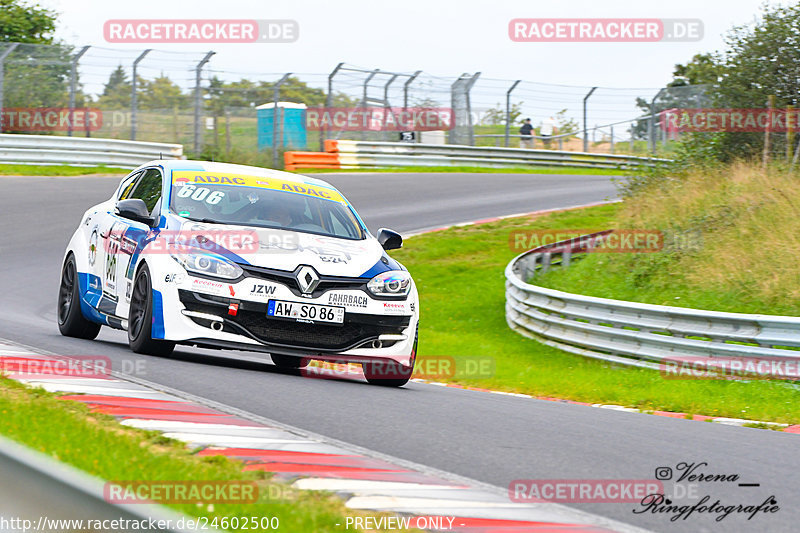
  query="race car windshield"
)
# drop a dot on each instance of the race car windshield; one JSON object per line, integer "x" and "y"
{"x": 268, "y": 208}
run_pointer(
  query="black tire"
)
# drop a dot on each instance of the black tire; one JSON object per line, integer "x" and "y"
{"x": 71, "y": 322}
{"x": 388, "y": 374}
{"x": 140, "y": 318}
{"x": 289, "y": 361}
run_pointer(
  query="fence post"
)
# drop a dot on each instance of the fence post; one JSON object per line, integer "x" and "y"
{"x": 365, "y": 96}
{"x": 651, "y": 134}
{"x": 508, "y": 109}
{"x": 3, "y": 56}
{"x": 467, "y": 89}
{"x": 198, "y": 102}
{"x": 134, "y": 99}
{"x": 612, "y": 138}
{"x": 323, "y": 133}
{"x": 406, "y": 85}
{"x": 789, "y": 131}
{"x": 770, "y": 106}
{"x": 387, "y": 106}
{"x": 73, "y": 78}
{"x": 276, "y": 115}
{"x": 585, "y": 127}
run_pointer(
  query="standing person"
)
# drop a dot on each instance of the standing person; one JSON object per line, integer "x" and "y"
{"x": 526, "y": 132}
{"x": 548, "y": 129}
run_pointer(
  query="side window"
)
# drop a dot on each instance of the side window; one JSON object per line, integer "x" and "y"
{"x": 148, "y": 188}
{"x": 127, "y": 187}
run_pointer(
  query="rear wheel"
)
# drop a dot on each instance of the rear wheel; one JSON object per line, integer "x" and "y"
{"x": 289, "y": 361}
{"x": 140, "y": 318}
{"x": 71, "y": 322}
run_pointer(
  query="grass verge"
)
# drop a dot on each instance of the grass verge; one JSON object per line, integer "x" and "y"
{"x": 60, "y": 170}
{"x": 460, "y": 276}
{"x": 99, "y": 445}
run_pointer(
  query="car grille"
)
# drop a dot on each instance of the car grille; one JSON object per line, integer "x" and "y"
{"x": 251, "y": 320}
{"x": 283, "y": 277}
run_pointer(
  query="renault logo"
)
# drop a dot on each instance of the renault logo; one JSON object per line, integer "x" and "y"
{"x": 307, "y": 279}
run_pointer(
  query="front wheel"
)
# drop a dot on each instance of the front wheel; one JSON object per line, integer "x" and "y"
{"x": 390, "y": 374}
{"x": 71, "y": 322}
{"x": 140, "y": 318}
{"x": 289, "y": 361}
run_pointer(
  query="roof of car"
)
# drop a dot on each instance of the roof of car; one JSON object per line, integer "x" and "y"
{"x": 230, "y": 168}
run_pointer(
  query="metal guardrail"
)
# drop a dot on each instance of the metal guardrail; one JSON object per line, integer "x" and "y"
{"x": 632, "y": 333}
{"x": 54, "y": 149}
{"x": 365, "y": 154}
{"x": 37, "y": 488}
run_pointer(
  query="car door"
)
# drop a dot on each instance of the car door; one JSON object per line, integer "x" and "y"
{"x": 100, "y": 293}
{"x": 123, "y": 241}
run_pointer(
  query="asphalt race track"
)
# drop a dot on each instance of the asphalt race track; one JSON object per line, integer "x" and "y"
{"x": 491, "y": 438}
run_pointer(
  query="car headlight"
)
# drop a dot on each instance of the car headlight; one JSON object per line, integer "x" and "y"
{"x": 392, "y": 283}
{"x": 202, "y": 262}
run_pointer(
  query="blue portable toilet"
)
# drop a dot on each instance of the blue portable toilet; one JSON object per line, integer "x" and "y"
{"x": 291, "y": 125}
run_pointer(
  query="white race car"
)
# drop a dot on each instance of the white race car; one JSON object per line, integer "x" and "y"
{"x": 236, "y": 257}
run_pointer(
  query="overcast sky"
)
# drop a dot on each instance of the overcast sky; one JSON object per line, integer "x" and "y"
{"x": 441, "y": 37}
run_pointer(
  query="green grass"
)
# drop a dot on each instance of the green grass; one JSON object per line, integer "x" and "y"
{"x": 478, "y": 170}
{"x": 59, "y": 170}
{"x": 99, "y": 445}
{"x": 459, "y": 273}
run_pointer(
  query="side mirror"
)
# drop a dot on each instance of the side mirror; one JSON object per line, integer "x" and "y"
{"x": 390, "y": 240}
{"x": 134, "y": 209}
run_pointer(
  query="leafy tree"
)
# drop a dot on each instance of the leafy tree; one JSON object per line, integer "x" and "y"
{"x": 21, "y": 22}
{"x": 497, "y": 115}
{"x": 116, "y": 91}
{"x": 160, "y": 93}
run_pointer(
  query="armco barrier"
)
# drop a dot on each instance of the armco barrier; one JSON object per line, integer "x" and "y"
{"x": 42, "y": 491}
{"x": 55, "y": 149}
{"x": 634, "y": 333}
{"x": 362, "y": 154}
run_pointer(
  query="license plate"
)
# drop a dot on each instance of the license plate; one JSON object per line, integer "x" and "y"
{"x": 305, "y": 312}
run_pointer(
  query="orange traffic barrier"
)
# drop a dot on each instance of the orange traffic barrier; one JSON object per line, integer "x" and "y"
{"x": 331, "y": 145}
{"x": 296, "y": 160}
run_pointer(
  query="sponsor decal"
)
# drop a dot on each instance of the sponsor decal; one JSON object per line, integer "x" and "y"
{"x": 233, "y": 308}
{"x": 93, "y": 247}
{"x": 195, "y": 177}
{"x": 262, "y": 289}
{"x": 332, "y": 259}
{"x": 347, "y": 300}
{"x": 394, "y": 308}
{"x": 174, "y": 278}
{"x": 206, "y": 285}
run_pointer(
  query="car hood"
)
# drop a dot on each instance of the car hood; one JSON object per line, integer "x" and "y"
{"x": 286, "y": 250}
